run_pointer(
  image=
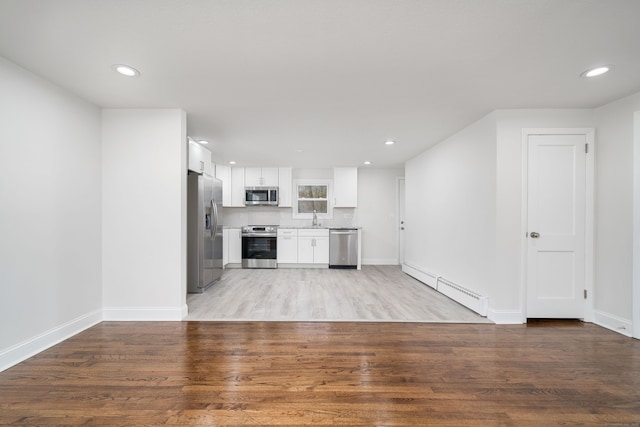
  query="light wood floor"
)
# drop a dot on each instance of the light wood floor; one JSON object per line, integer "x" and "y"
{"x": 328, "y": 374}
{"x": 375, "y": 293}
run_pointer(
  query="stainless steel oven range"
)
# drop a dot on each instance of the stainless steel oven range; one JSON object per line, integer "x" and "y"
{"x": 259, "y": 246}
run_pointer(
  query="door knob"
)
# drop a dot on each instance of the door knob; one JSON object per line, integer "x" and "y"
{"x": 534, "y": 235}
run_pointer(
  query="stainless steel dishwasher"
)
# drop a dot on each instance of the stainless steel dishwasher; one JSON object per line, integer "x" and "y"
{"x": 343, "y": 248}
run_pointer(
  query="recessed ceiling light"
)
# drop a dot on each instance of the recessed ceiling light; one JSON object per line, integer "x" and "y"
{"x": 126, "y": 70}
{"x": 202, "y": 141}
{"x": 598, "y": 71}
{"x": 389, "y": 142}
{"x": 231, "y": 162}
{"x": 367, "y": 162}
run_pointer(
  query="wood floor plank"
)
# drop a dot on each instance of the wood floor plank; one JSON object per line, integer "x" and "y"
{"x": 375, "y": 293}
{"x": 323, "y": 373}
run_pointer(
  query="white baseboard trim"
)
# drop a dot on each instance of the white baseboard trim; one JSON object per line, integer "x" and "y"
{"x": 233, "y": 265}
{"x": 506, "y": 317}
{"x": 26, "y": 349}
{"x": 303, "y": 265}
{"x": 612, "y": 322}
{"x": 379, "y": 261}
{"x": 185, "y": 311}
{"x": 143, "y": 313}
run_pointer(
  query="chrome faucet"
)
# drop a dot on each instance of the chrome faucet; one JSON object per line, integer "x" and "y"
{"x": 315, "y": 219}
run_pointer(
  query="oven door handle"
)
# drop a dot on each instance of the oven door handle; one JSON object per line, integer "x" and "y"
{"x": 259, "y": 235}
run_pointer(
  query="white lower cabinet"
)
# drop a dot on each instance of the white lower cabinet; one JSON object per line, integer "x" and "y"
{"x": 305, "y": 250}
{"x": 313, "y": 246}
{"x": 225, "y": 247}
{"x": 295, "y": 246}
{"x": 287, "y": 246}
{"x": 233, "y": 245}
{"x": 321, "y": 250}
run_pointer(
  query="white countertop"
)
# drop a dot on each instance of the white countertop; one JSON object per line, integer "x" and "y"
{"x": 298, "y": 227}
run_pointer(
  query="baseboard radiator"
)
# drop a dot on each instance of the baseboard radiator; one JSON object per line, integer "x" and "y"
{"x": 470, "y": 299}
{"x": 421, "y": 275}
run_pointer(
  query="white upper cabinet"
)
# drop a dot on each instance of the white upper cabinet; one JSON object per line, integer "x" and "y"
{"x": 235, "y": 179}
{"x": 237, "y": 187}
{"x": 270, "y": 177}
{"x": 253, "y": 177}
{"x": 199, "y": 158}
{"x": 223, "y": 173}
{"x": 345, "y": 187}
{"x": 232, "y": 185}
{"x": 285, "y": 187}
{"x": 261, "y": 177}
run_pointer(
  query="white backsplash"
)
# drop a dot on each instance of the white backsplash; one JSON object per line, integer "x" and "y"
{"x": 264, "y": 215}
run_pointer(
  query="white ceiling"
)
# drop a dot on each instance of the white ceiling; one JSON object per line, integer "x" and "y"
{"x": 264, "y": 79}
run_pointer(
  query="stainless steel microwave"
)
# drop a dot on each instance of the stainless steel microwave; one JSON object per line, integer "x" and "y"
{"x": 261, "y": 196}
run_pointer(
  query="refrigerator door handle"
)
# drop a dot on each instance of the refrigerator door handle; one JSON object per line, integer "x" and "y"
{"x": 214, "y": 211}
{"x": 217, "y": 216}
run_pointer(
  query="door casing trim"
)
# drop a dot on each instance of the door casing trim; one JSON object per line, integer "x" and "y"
{"x": 589, "y": 214}
{"x": 635, "y": 290}
{"x": 400, "y": 261}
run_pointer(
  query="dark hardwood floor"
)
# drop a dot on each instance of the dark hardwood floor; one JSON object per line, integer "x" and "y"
{"x": 360, "y": 374}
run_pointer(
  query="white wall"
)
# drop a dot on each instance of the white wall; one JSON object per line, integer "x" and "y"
{"x": 614, "y": 208}
{"x": 465, "y": 195}
{"x": 450, "y": 207}
{"x": 507, "y": 295}
{"x": 376, "y": 214}
{"x": 613, "y": 203}
{"x": 49, "y": 214}
{"x": 144, "y": 158}
{"x": 430, "y": 184}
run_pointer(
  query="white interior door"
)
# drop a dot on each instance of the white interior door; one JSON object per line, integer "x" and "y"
{"x": 401, "y": 220}
{"x": 556, "y": 213}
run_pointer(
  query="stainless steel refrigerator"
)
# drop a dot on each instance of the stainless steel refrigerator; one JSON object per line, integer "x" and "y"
{"x": 204, "y": 231}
